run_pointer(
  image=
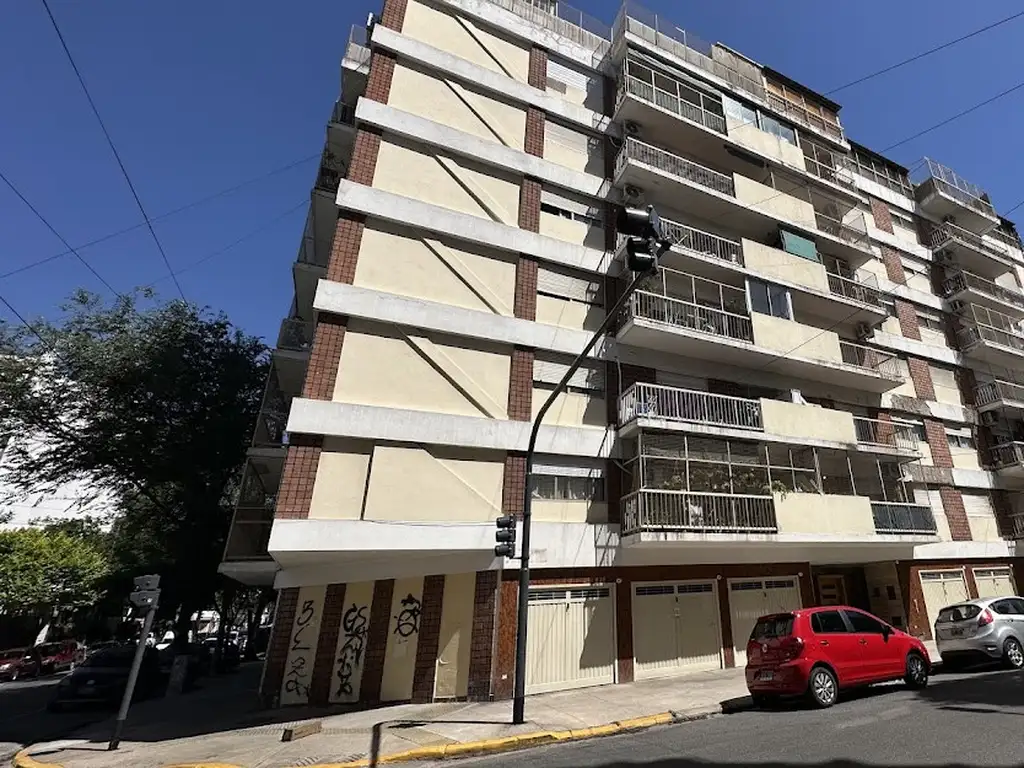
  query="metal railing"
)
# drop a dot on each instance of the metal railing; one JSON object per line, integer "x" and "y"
{"x": 948, "y": 182}
{"x": 1008, "y": 454}
{"x": 903, "y": 518}
{"x": 343, "y": 113}
{"x": 865, "y": 357}
{"x": 993, "y": 391}
{"x": 655, "y": 401}
{"x": 802, "y": 115}
{"x": 652, "y": 511}
{"x": 671, "y": 102}
{"x": 963, "y": 280}
{"x": 968, "y": 338}
{"x": 295, "y": 335}
{"x": 828, "y": 165}
{"x": 945, "y": 233}
{"x": 694, "y": 317}
{"x": 564, "y": 20}
{"x": 703, "y": 243}
{"x": 1017, "y": 525}
{"x": 885, "y": 433}
{"x": 680, "y": 167}
{"x": 844, "y": 230}
{"x": 358, "y": 50}
{"x": 249, "y": 535}
{"x": 854, "y": 289}
{"x": 1006, "y": 238}
{"x": 331, "y": 172}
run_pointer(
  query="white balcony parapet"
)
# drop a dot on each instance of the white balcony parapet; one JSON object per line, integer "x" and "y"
{"x": 655, "y": 511}
{"x": 655, "y": 401}
{"x": 905, "y": 519}
{"x": 642, "y": 152}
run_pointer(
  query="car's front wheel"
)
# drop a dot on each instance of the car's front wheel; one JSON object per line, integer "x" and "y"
{"x": 916, "y": 674}
{"x": 1013, "y": 653}
{"x": 822, "y": 688}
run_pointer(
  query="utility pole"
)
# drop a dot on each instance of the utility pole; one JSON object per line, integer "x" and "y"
{"x": 645, "y": 245}
{"x": 144, "y": 596}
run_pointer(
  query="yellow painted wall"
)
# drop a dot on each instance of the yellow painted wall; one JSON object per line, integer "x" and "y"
{"x": 827, "y": 514}
{"x": 393, "y": 259}
{"x": 569, "y": 314}
{"x": 388, "y": 366}
{"x": 451, "y": 182}
{"x": 350, "y": 652}
{"x": 944, "y": 383}
{"x": 984, "y": 528}
{"x": 807, "y": 421}
{"x": 451, "y": 680}
{"x": 964, "y": 458}
{"x": 452, "y": 104}
{"x": 403, "y": 639}
{"x": 906, "y": 388}
{"x": 557, "y": 511}
{"x": 774, "y": 262}
{"x": 767, "y": 144}
{"x": 574, "y": 150}
{"x": 571, "y": 231}
{"x": 783, "y": 335}
{"x": 302, "y": 641}
{"x": 773, "y": 202}
{"x": 340, "y": 479}
{"x": 572, "y": 409}
{"x": 460, "y": 36}
{"x": 434, "y": 484}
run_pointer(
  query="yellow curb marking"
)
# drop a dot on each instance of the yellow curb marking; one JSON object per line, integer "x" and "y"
{"x": 490, "y": 746}
{"x": 24, "y": 760}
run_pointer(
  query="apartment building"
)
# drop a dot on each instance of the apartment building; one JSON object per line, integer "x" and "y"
{"x": 815, "y": 400}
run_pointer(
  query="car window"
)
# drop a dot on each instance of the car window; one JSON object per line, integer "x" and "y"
{"x": 1018, "y": 605}
{"x": 772, "y": 626}
{"x": 958, "y": 613}
{"x": 1002, "y": 607}
{"x": 863, "y": 623}
{"x": 827, "y": 622}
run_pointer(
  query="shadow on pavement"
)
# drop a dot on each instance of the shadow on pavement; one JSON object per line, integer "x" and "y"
{"x": 986, "y": 690}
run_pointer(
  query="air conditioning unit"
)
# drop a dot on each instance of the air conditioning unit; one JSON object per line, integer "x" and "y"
{"x": 958, "y": 306}
{"x": 631, "y": 128}
{"x": 864, "y": 331}
{"x": 988, "y": 418}
{"x": 633, "y": 195}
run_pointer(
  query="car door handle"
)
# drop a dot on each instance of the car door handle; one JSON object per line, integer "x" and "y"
{"x": 823, "y": 642}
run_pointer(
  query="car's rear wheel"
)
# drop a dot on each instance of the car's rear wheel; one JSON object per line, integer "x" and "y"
{"x": 822, "y": 688}
{"x": 1013, "y": 653}
{"x": 916, "y": 674}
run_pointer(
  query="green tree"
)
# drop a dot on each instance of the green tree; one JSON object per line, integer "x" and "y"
{"x": 43, "y": 570}
{"x": 155, "y": 405}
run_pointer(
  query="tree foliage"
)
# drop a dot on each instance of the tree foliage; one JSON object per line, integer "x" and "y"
{"x": 155, "y": 406}
{"x": 46, "y": 569}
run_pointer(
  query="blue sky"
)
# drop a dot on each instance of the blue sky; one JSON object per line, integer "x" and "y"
{"x": 200, "y": 96}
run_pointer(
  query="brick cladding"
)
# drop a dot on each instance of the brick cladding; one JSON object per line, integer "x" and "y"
{"x": 956, "y": 515}
{"x": 364, "y": 156}
{"x": 533, "y": 144}
{"x": 908, "y": 319}
{"x": 529, "y": 205}
{"x": 893, "y": 266}
{"x": 376, "y": 641}
{"x": 921, "y": 375}
{"x": 520, "y": 385}
{"x": 513, "y": 484}
{"x": 393, "y": 14}
{"x": 324, "y": 357}
{"x": 525, "y": 300}
{"x": 382, "y": 70}
{"x": 323, "y": 662}
{"x": 482, "y": 638}
{"x": 938, "y": 443}
{"x": 277, "y": 649}
{"x": 429, "y": 638}
{"x": 880, "y": 212}
{"x": 348, "y": 236}
{"x": 298, "y": 476}
{"x": 537, "y": 74}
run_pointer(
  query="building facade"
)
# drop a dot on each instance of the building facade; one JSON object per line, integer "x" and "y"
{"x": 814, "y": 400}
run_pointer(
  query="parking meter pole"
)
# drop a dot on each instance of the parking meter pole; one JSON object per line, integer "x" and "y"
{"x": 140, "y": 649}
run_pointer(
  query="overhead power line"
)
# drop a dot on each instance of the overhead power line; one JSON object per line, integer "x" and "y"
{"x": 110, "y": 142}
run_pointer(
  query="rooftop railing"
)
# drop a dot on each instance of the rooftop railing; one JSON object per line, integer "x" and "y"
{"x": 663, "y": 511}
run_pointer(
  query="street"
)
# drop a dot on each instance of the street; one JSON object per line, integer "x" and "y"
{"x": 24, "y": 719}
{"x": 969, "y": 719}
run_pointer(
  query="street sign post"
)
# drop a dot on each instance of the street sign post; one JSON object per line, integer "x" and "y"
{"x": 145, "y": 596}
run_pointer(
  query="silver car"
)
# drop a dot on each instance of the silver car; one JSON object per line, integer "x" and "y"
{"x": 987, "y": 629}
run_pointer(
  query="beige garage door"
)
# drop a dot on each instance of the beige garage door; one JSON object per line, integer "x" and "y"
{"x": 571, "y": 638}
{"x": 675, "y": 629}
{"x": 994, "y": 582}
{"x": 941, "y": 589}
{"x": 749, "y": 599}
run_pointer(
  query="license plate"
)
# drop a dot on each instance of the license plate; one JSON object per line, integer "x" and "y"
{"x": 767, "y": 674}
{"x": 957, "y": 632}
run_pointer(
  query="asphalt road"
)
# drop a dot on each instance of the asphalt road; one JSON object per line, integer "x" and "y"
{"x": 24, "y": 719}
{"x": 973, "y": 719}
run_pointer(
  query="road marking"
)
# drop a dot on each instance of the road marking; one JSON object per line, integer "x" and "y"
{"x": 885, "y": 714}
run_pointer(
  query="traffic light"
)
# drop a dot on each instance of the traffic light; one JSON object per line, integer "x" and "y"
{"x": 646, "y": 241}
{"x": 505, "y": 536}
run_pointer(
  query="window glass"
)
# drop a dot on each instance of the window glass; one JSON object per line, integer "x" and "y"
{"x": 1018, "y": 605}
{"x": 771, "y": 627}
{"x": 776, "y": 128}
{"x": 827, "y": 622}
{"x": 559, "y": 488}
{"x": 863, "y": 623}
{"x": 769, "y": 299}
{"x": 1002, "y": 607}
{"x": 739, "y": 112}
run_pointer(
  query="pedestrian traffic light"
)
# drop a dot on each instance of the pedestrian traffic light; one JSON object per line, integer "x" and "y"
{"x": 505, "y": 536}
{"x": 645, "y": 239}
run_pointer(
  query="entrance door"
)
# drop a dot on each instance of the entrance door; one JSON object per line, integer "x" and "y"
{"x": 832, "y": 590}
{"x": 749, "y": 599}
{"x": 675, "y": 629}
{"x": 994, "y": 582}
{"x": 941, "y": 589}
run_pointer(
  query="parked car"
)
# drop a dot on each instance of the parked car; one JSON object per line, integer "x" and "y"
{"x": 58, "y": 656}
{"x": 818, "y": 652}
{"x": 987, "y": 629}
{"x": 102, "y": 678}
{"x": 18, "y": 663}
{"x": 103, "y": 645}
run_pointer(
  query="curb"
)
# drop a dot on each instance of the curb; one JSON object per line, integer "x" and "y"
{"x": 23, "y": 759}
{"x": 539, "y": 738}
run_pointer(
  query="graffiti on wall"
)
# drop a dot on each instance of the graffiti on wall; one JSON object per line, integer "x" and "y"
{"x": 300, "y": 651}
{"x": 407, "y": 621}
{"x": 354, "y": 624}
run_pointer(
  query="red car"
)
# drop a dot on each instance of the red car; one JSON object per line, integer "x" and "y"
{"x": 58, "y": 656}
{"x": 18, "y": 663}
{"x": 817, "y": 652}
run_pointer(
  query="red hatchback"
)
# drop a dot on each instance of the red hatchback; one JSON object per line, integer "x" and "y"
{"x": 816, "y": 652}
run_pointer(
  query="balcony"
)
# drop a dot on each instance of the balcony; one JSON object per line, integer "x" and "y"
{"x": 680, "y": 168}
{"x": 855, "y": 290}
{"x": 1017, "y": 526}
{"x": 273, "y": 417}
{"x": 692, "y": 240}
{"x": 655, "y": 401}
{"x": 1006, "y": 395}
{"x": 246, "y": 557}
{"x": 941, "y": 192}
{"x": 959, "y": 247}
{"x": 885, "y": 434}
{"x": 357, "y": 51}
{"x": 642, "y": 83}
{"x": 966, "y": 286}
{"x": 990, "y": 336}
{"x": 903, "y": 519}
{"x": 656, "y": 511}
{"x": 343, "y": 114}
{"x": 1008, "y": 458}
{"x": 295, "y": 335}
{"x": 330, "y": 173}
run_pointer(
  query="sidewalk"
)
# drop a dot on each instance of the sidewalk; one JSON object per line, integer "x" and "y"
{"x": 220, "y": 724}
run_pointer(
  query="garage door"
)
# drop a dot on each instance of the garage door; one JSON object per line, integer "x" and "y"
{"x": 994, "y": 582}
{"x": 571, "y": 638}
{"x": 940, "y": 589}
{"x": 675, "y": 629}
{"x": 749, "y": 599}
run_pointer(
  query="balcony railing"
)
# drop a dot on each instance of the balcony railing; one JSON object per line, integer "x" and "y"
{"x": 946, "y": 233}
{"x": 295, "y": 335}
{"x": 884, "y": 433}
{"x": 343, "y": 113}
{"x": 672, "y": 102}
{"x": 1017, "y": 525}
{"x": 828, "y": 165}
{"x": 694, "y": 317}
{"x": 332, "y": 171}
{"x": 803, "y": 115}
{"x": 655, "y": 511}
{"x": 564, "y": 20}
{"x": 894, "y": 518}
{"x": 948, "y": 182}
{"x": 358, "y": 50}
{"x": 1008, "y": 454}
{"x": 654, "y": 401}
{"x": 854, "y": 289}
{"x": 963, "y": 281}
{"x": 249, "y": 535}
{"x": 848, "y": 231}
{"x": 974, "y": 334}
{"x": 1008, "y": 239}
{"x": 865, "y": 357}
{"x": 994, "y": 391}
{"x": 641, "y": 152}
{"x": 703, "y": 243}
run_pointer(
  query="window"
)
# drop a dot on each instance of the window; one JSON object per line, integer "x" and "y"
{"x": 769, "y": 299}
{"x": 827, "y": 623}
{"x": 740, "y": 112}
{"x": 561, "y": 488}
{"x": 957, "y": 613}
{"x": 778, "y": 128}
{"x": 772, "y": 627}
{"x": 1017, "y": 605}
{"x": 930, "y": 320}
{"x": 570, "y": 215}
{"x": 863, "y": 623}
{"x": 960, "y": 440}
{"x": 573, "y": 208}
{"x": 1003, "y": 607}
{"x": 915, "y": 429}
{"x": 901, "y": 219}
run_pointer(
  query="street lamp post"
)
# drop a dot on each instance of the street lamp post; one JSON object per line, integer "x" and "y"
{"x": 643, "y": 248}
